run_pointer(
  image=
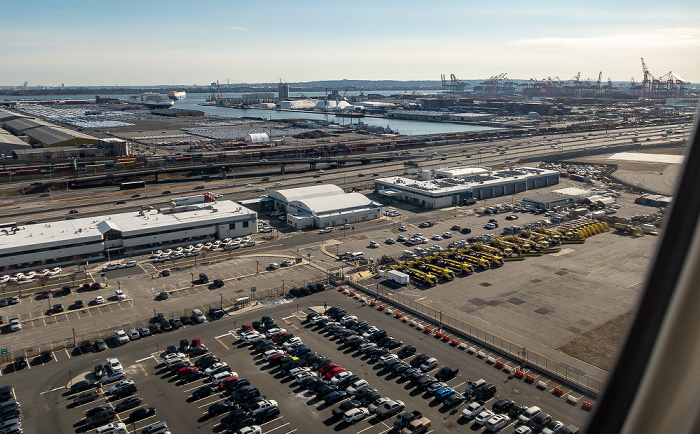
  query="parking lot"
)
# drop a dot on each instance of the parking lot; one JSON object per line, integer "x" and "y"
{"x": 44, "y": 389}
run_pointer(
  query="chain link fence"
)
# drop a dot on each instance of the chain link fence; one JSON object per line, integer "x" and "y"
{"x": 512, "y": 350}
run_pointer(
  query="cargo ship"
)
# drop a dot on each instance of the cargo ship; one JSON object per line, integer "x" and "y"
{"x": 151, "y": 100}
{"x": 177, "y": 94}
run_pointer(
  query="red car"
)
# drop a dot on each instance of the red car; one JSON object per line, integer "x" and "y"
{"x": 196, "y": 343}
{"x": 328, "y": 367}
{"x": 276, "y": 337}
{"x": 246, "y": 327}
{"x": 227, "y": 382}
{"x": 276, "y": 357}
{"x": 333, "y": 372}
{"x": 186, "y": 370}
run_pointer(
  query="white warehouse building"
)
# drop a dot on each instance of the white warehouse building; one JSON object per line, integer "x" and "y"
{"x": 323, "y": 205}
{"x": 99, "y": 238}
{"x": 461, "y": 185}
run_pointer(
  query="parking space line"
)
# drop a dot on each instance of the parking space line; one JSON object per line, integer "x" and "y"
{"x": 222, "y": 343}
{"x": 275, "y": 428}
{"x": 67, "y": 353}
{"x": 142, "y": 369}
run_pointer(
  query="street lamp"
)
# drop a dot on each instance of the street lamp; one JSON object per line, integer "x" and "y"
{"x": 191, "y": 277}
{"x": 256, "y": 267}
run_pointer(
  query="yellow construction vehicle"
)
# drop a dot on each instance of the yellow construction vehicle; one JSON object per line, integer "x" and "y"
{"x": 473, "y": 260}
{"x": 427, "y": 278}
{"x": 496, "y": 260}
{"x": 443, "y": 272}
{"x": 629, "y": 229}
{"x": 461, "y": 267}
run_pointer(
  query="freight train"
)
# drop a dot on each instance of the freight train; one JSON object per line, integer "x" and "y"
{"x": 245, "y": 152}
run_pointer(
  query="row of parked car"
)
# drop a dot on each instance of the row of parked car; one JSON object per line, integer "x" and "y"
{"x": 29, "y": 275}
{"x": 318, "y": 374}
{"x": 124, "y": 389}
{"x": 372, "y": 342}
{"x": 246, "y": 406}
{"x": 10, "y": 412}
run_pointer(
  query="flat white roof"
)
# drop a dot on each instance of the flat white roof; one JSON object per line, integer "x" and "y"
{"x": 445, "y": 186}
{"x": 452, "y": 172}
{"x": 573, "y": 191}
{"x": 647, "y": 158}
{"x": 90, "y": 229}
{"x": 323, "y": 205}
{"x": 299, "y": 194}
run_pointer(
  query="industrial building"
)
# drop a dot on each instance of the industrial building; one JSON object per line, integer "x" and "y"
{"x": 323, "y": 205}
{"x": 460, "y": 185}
{"x": 39, "y": 133}
{"x": 89, "y": 239}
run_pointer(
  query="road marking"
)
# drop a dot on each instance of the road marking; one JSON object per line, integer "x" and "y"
{"x": 67, "y": 354}
{"x": 222, "y": 343}
{"x": 142, "y": 369}
{"x": 281, "y": 426}
{"x": 52, "y": 390}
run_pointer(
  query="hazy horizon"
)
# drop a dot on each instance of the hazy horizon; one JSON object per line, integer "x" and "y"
{"x": 130, "y": 43}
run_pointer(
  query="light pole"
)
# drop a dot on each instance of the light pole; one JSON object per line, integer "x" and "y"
{"x": 256, "y": 267}
{"x": 192, "y": 278}
{"x": 283, "y": 288}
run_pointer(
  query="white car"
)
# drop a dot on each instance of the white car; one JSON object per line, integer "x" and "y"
{"x": 274, "y": 332}
{"x": 373, "y": 244}
{"x": 340, "y": 376}
{"x": 214, "y": 367}
{"x": 497, "y": 422}
{"x": 403, "y": 228}
{"x": 250, "y": 337}
{"x": 130, "y": 264}
{"x": 114, "y": 376}
{"x": 447, "y": 235}
{"x": 296, "y": 371}
{"x": 390, "y": 241}
{"x": 366, "y": 347}
{"x": 221, "y": 376}
{"x": 351, "y": 389}
{"x": 429, "y": 364}
{"x": 260, "y": 406}
{"x": 15, "y": 325}
{"x": 5, "y": 278}
{"x": 99, "y": 299}
{"x": 171, "y": 358}
{"x": 437, "y": 237}
{"x": 253, "y": 429}
{"x": 355, "y": 415}
{"x": 119, "y": 386}
{"x": 44, "y": 272}
{"x": 300, "y": 377}
{"x": 121, "y": 337}
{"x": 116, "y": 266}
{"x": 483, "y": 417}
{"x": 531, "y": 412}
{"x": 271, "y": 353}
{"x": 347, "y": 318}
{"x": 113, "y": 363}
{"x": 473, "y": 409}
{"x": 326, "y": 230}
{"x": 119, "y": 294}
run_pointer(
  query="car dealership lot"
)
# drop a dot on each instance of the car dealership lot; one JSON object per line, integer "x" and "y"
{"x": 43, "y": 388}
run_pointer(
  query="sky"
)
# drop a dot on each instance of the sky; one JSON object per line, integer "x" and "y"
{"x": 125, "y": 42}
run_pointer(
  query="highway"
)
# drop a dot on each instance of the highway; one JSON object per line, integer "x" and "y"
{"x": 102, "y": 200}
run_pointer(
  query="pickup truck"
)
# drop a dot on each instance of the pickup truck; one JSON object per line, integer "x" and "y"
{"x": 404, "y": 419}
{"x": 417, "y": 426}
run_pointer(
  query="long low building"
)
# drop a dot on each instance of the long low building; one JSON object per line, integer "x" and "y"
{"x": 100, "y": 238}
{"x": 460, "y": 188}
{"x": 323, "y": 205}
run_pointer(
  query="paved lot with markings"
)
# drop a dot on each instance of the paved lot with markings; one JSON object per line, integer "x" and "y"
{"x": 41, "y": 389}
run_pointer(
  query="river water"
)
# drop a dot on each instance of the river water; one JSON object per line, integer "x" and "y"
{"x": 404, "y": 127}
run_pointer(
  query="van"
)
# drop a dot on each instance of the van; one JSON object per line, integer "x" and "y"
{"x": 357, "y": 255}
{"x": 158, "y": 427}
{"x": 198, "y": 316}
{"x": 112, "y": 428}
